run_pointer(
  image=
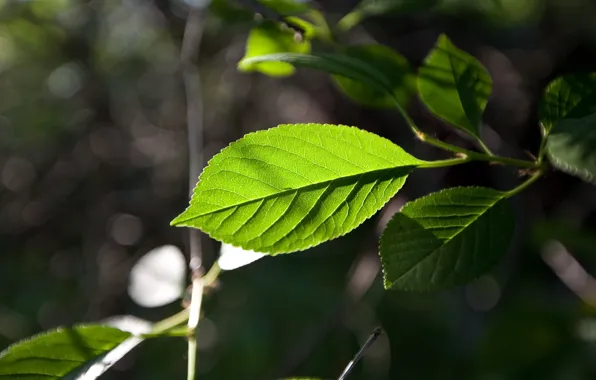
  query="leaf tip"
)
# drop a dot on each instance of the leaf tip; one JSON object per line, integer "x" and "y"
{"x": 179, "y": 220}
{"x": 443, "y": 38}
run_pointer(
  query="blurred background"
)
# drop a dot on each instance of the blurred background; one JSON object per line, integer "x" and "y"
{"x": 93, "y": 166}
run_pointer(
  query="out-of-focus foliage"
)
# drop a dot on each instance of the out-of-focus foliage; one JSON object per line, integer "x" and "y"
{"x": 268, "y": 38}
{"x": 396, "y": 69}
{"x": 93, "y": 166}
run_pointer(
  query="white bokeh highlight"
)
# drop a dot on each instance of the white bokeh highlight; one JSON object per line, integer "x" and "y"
{"x": 158, "y": 278}
{"x": 231, "y": 257}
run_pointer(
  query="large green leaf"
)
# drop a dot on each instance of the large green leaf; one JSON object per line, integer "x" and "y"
{"x": 394, "y": 67}
{"x": 446, "y": 238}
{"x": 571, "y": 97}
{"x": 271, "y": 37}
{"x": 455, "y": 86}
{"x": 59, "y": 354}
{"x": 295, "y": 186}
{"x": 571, "y": 146}
{"x": 338, "y": 64}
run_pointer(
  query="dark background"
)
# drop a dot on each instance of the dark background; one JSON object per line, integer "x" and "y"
{"x": 93, "y": 166}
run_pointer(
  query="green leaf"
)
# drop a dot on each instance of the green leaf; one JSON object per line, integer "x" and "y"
{"x": 295, "y": 186}
{"x": 455, "y": 86}
{"x": 571, "y": 147}
{"x": 446, "y": 238}
{"x": 394, "y": 67}
{"x": 271, "y": 37}
{"x": 349, "y": 67}
{"x": 59, "y": 353}
{"x": 570, "y": 97}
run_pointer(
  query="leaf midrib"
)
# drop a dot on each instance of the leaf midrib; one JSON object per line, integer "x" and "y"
{"x": 289, "y": 191}
{"x": 460, "y": 90}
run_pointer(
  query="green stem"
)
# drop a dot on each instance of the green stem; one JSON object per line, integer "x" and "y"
{"x": 542, "y": 149}
{"x": 504, "y": 160}
{"x": 473, "y": 156}
{"x": 484, "y": 147}
{"x": 166, "y": 326}
{"x": 169, "y": 323}
{"x": 178, "y": 331}
{"x": 423, "y": 136}
{"x": 525, "y": 184}
{"x": 192, "y": 358}
{"x": 211, "y": 276}
{"x": 440, "y": 144}
{"x": 445, "y": 163}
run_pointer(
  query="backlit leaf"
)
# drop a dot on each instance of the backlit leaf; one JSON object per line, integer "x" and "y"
{"x": 571, "y": 97}
{"x": 271, "y": 37}
{"x": 59, "y": 354}
{"x": 446, "y": 238}
{"x": 394, "y": 67}
{"x": 295, "y": 186}
{"x": 455, "y": 86}
{"x": 571, "y": 146}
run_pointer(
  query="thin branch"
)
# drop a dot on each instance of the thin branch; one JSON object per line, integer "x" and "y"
{"x": 371, "y": 339}
{"x": 193, "y": 34}
{"x": 570, "y": 271}
{"x": 191, "y": 41}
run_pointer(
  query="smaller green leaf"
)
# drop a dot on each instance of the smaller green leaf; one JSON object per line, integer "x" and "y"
{"x": 571, "y": 97}
{"x": 292, "y": 187}
{"x": 271, "y": 37}
{"x": 394, "y": 67}
{"x": 455, "y": 86}
{"x": 446, "y": 238}
{"x": 571, "y": 147}
{"x": 59, "y": 353}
